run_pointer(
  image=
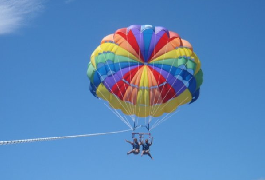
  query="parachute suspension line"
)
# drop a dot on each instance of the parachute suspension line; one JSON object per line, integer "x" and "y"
{"x": 145, "y": 111}
{"x": 57, "y": 138}
{"x": 122, "y": 119}
{"x": 145, "y": 122}
{"x": 132, "y": 108}
{"x": 152, "y": 90}
{"x": 145, "y": 99}
{"x": 119, "y": 116}
{"x": 128, "y": 106}
{"x": 156, "y": 109}
{"x": 164, "y": 105}
{"x": 114, "y": 94}
{"x": 115, "y": 83}
{"x": 137, "y": 121}
{"x": 158, "y": 122}
{"x": 160, "y": 92}
{"x": 145, "y": 104}
{"x": 135, "y": 108}
{"x": 106, "y": 98}
{"x": 132, "y": 117}
{"x": 184, "y": 84}
{"x": 150, "y": 119}
{"x": 139, "y": 55}
{"x": 138, "y": 109}
{"x": 162, "y": 120}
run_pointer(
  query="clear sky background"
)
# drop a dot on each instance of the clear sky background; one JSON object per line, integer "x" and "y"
{"x": 45, "y": 47}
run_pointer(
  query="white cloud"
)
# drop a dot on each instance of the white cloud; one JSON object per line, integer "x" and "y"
{"x": 15, "y": 13}
{"x": 261, "y": 179}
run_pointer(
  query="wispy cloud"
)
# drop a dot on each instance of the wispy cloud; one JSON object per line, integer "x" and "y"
{"x": 261, "y": 178}
{"x": 15, "y": 13}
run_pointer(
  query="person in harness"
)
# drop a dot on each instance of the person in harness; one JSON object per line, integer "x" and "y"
{"x": 145, "y": 146}
{"x": 135, "y": 146}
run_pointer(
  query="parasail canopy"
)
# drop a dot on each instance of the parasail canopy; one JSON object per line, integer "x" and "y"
{"x": 145, "y": 70}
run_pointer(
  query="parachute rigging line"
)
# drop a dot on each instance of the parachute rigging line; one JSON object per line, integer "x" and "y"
{"x": 119, "y": 116}
{"x": 154, "y": 110}
{"x": 163, "y": 106}
{"x": 122, "y": 119}
{"x": 159, "y": 121}
{"x": 127, "y": 108}
{"x": 57, "y": 138}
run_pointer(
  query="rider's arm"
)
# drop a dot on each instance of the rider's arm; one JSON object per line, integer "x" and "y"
{"x": 151, "y": 142}
{"x": 128, "y": 141}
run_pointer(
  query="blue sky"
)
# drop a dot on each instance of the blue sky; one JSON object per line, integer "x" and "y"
{"x": 44, "y": 51}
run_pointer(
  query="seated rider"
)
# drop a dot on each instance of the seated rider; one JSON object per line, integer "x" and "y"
{"x": 146, "y": 146}
{"x": 136, "y": 146}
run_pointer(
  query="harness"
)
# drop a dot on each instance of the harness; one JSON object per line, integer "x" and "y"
{"x": 146, "y": 146}
{"x": 136, "y": 145}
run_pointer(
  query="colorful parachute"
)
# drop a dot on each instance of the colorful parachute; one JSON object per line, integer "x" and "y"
{"x": 145, "y": 70}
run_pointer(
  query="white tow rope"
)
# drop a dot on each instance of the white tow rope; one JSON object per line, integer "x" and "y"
{"x": 56, "y": 138}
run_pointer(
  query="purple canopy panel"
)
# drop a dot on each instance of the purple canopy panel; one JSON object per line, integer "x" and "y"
{"x": 139, "y": 38}
{"x": 177, "y": 85}
{"x": 160, "y": 28}
{"x": 133, "y": 27}
{"x": 111, "y": 80}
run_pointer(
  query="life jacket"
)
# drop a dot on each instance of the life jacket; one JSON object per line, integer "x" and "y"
{"x": 145, "y": 146}
{"x": 136, "y": 145}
